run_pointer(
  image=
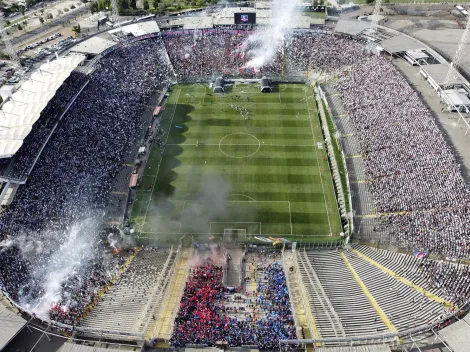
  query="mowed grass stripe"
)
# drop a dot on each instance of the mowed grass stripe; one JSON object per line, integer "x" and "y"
{"x": 284, "y": 173}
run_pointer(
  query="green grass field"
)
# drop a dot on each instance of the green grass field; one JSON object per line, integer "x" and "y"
{"x": 267, "y": 175}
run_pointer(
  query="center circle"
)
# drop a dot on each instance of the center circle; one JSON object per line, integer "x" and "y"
{"x": 239, "y": 145}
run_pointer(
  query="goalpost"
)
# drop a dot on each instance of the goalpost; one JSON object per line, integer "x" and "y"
{"x": 234, "y": 235}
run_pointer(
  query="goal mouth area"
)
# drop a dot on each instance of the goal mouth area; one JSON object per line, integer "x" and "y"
{"x": 234, "y": 235}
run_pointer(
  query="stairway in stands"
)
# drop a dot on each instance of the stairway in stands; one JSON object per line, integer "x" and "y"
{"x": 297, "y": 296}
{"x": 164, "y": 319}
{"x": 327, "y": 320}
{"x": 234, "y": 267}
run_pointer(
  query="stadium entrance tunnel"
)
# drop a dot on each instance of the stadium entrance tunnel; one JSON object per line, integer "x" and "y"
{"x": 239, "y": 145}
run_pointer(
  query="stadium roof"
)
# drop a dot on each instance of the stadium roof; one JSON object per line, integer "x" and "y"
{"x": 137, "y": 29}
{"x": 457, "y": 335}
{"x": 438, "y": 72}
{"x": 367, "y": 348}
{"x": 400, "y": 43}
{"x": 351, "y": 27}
{"x": 199, "y": 22}
{"x": 10, "y": 325}
{"x": 22, "y": 110}
{"x": 72, "y": 347}
{"x": 457, "y": 98}
{"x": 94, "y": 45}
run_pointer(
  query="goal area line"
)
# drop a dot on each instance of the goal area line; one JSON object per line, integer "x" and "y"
{"x": 233, "y": 226}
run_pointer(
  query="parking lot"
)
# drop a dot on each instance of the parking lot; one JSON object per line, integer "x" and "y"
{"x": 34, "y": 53}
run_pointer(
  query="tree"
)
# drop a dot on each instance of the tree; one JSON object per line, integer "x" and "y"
{"x": 72, "y": 7}
{"x": 60, "y": 12}
{"x": 93, "y": 7}
{"x": 145, "y": 3}
{"x": 369, "y": 1}
{"x": 49, "y": 16}
{"x": 7, "y": 23}
{"x": 155, "y": 4}
{"x": 19, "y": 27}
{"x": 41, "y": 19}
{"x": 76, "y": 29}
{"x": 21, "y": 8}
{"x": 123, "y": 5}
{"x": 133, "y": 4}
{"x": 161, "y": 8}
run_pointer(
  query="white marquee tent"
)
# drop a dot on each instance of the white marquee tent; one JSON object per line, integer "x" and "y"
{"x": 23, "y": 109}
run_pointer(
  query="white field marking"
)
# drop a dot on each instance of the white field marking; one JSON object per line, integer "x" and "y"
{"x": 161, "y": 159}
{"x": 217, "y": 233}
{"x": 318, "y": 162}
{"x": 239, "y": 157}
{"x": 243, "y": 195}
{"x": 280, "y": 102}
{"x": 232, "y": 222}
{"x": 290, "y": 219}
{"x": 263, "y": 144}
{"x": 182, "y": 214}
{"x": 204, "y": 97}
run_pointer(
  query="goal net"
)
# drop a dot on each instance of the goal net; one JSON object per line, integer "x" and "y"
{"x": 234, "y": 235}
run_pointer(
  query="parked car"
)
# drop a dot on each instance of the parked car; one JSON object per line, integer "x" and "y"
{"x": 13, "y": 80}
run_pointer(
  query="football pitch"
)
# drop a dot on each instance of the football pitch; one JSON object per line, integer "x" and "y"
{"x": 242, "y": 160}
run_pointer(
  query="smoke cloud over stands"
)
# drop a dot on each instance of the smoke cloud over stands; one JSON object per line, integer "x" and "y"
{"x": 262, "y": 46}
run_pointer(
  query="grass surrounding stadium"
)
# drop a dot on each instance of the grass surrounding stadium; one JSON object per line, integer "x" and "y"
{"x": 266, "y": 175}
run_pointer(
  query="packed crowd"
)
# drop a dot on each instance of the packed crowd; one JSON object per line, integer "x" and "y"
{"x": 207, "y": 54}
{"x": 21, "y": 163}
{"x": 229, "y": 53}
{"x": 323, "y": 53}
{"x": 412, "y": 171}
{"x": 203, "y": 318}
{"x": 450, "y": 278}
{"x": 73, "y": 178}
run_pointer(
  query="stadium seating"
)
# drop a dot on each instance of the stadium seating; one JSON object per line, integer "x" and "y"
{"x": 351, "y": 309}
{"x": 125, "y": 305}
{"x": 354, "y": 313}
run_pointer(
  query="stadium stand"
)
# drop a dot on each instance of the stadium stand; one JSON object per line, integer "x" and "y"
{"x": 128, "y": 300}
{"x": 10, "y": 325}
{"x": 20, "y": 165}
{"x": 350, "y": 313}
{"x": 73, "y": 177}
{"x": 406, "y": 181}
{"x": 359, "y": 294}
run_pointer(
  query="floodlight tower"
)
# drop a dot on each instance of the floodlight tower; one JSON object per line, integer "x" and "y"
{"x": 373, "y": 25}
{"x": 8, "y": 46}
{"x": 115, "y": 12}
{"x": 452, "y": 73}
{"x": 375, "y": 17}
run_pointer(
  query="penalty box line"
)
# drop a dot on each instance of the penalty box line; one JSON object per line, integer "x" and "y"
{"x": 241, "y": 201}
{"x": 233, "y": 222}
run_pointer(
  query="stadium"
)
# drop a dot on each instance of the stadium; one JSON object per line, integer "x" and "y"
{"x": 239, "y": 182}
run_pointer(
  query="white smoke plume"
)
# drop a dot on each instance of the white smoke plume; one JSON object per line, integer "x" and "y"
{"x": 207, "y": 254}
{"x": 74, "y": 251}
{"x": 262, "y": 46}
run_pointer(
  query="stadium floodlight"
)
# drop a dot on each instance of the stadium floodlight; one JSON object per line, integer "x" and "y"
{"x": 8, "y": 46}
{"x": 115, "y": 12}
{"x": 452, "y": 74}
{"x": 373, "y": 24}
{"x": 375, "y": 17}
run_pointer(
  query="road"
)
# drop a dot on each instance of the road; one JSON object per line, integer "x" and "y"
{"x": 47, "y": 27}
